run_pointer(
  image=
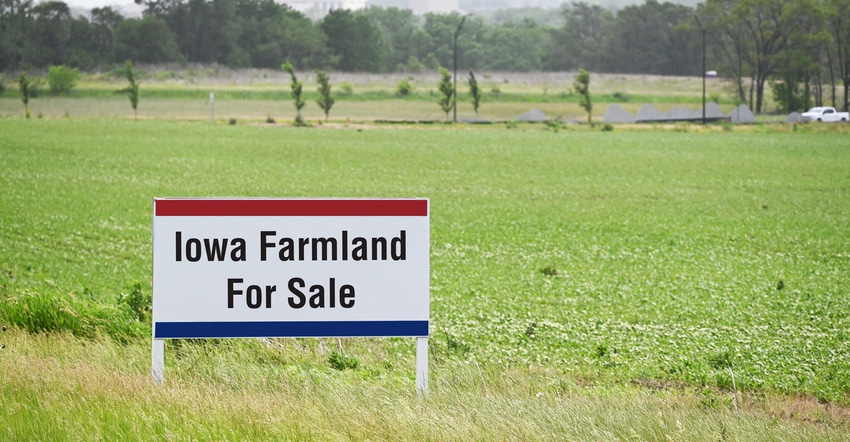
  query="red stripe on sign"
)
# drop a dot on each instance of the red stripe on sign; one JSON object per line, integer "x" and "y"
{"x": 294, "y": 207}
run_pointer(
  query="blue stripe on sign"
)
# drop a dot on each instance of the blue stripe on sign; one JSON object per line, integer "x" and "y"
{"x": 312, "y": 329}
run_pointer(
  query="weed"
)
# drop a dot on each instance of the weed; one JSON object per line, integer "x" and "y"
{"x": 340, "y": 361}
{"x": 531, "y": 330}
{"x": 708, "y": 399}
{"x": 269, "y": 119}
{"x": 137, "y": 301}
{"x": 720, "y": 360}
{"x": 549, "y": 271}
{"x": 620, "y": 96}
{"x": 607, "y": 127}
{"x": 232, "y": 121}
{"x": 601, "y": 350}
{"x": 455, "y": 345}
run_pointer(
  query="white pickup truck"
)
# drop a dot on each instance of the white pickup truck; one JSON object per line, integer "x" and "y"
{"x": 825, "y": 114}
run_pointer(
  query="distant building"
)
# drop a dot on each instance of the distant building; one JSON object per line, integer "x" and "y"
{"x": 421, "y": 7}
{"x": 316, "y": 9}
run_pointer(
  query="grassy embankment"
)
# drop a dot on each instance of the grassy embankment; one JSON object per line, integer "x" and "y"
{"x": 585, "y": 285}
{"x": 252, "y": 96}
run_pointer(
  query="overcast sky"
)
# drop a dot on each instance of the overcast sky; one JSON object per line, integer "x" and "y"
{"x": 125, "y": 7}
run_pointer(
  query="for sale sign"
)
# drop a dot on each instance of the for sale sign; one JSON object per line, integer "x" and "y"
{"x": 228, "y": 268}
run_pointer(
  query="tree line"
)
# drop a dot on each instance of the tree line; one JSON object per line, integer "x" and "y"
{"x": 797, "y": 49}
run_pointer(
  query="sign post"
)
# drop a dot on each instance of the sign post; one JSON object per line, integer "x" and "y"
{"x": 275, "y": 268}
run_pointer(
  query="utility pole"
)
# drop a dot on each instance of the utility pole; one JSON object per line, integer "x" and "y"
{"x": 703, "y": 67}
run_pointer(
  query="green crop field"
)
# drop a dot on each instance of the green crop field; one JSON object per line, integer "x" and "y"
{"x": 596, "y": 285}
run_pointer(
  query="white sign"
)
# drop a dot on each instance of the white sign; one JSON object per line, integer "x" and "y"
{"x": 234, "y": 268}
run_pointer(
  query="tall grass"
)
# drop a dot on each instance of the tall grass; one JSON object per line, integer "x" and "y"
{"x": 57, "y": 388}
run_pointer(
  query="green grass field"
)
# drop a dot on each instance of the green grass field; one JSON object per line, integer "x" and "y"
{"x": 585, "y": 284}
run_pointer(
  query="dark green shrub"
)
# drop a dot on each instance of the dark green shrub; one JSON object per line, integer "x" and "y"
{"x": 62, "y": 79}
{"x": 404, "y": 88}
{"x": 346, "y": 88}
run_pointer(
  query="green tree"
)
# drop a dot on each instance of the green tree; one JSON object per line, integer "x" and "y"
{"x": 296, "y": 88}
{"x": 582, "y": 87}
{"x": 132, "y": 89}
{"x": 62, "y": 79}
{"x": 206, "y": 31}
{"x": 768, "y": 25}
{"x": 838, "y": 19}
{"x": 92, "y": 41}
{"x": 326, "y": 101}
{"x": 82, "y": 49}
{"x": 645, "y": 38}
{"x": 581, "y": 41}
{"x": 355, "y": 40}
{"x": 49, "y": 33}
{"x": 26, "y": 91}
{"x": 438, "y": 40}
{"x": 514, "y": 46}
{"x": 15, "y": 24}
{"x": 271, "y": 32}
{"x": 146, "y": 40}
{"x": 798, "y": 65}
{"x": 447, "y": 90}
{"x": 728, "y": 38}
{"x": 787, "y": 95}
{"x": 474, "y": 91}
{"x": 399, "y": 31}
